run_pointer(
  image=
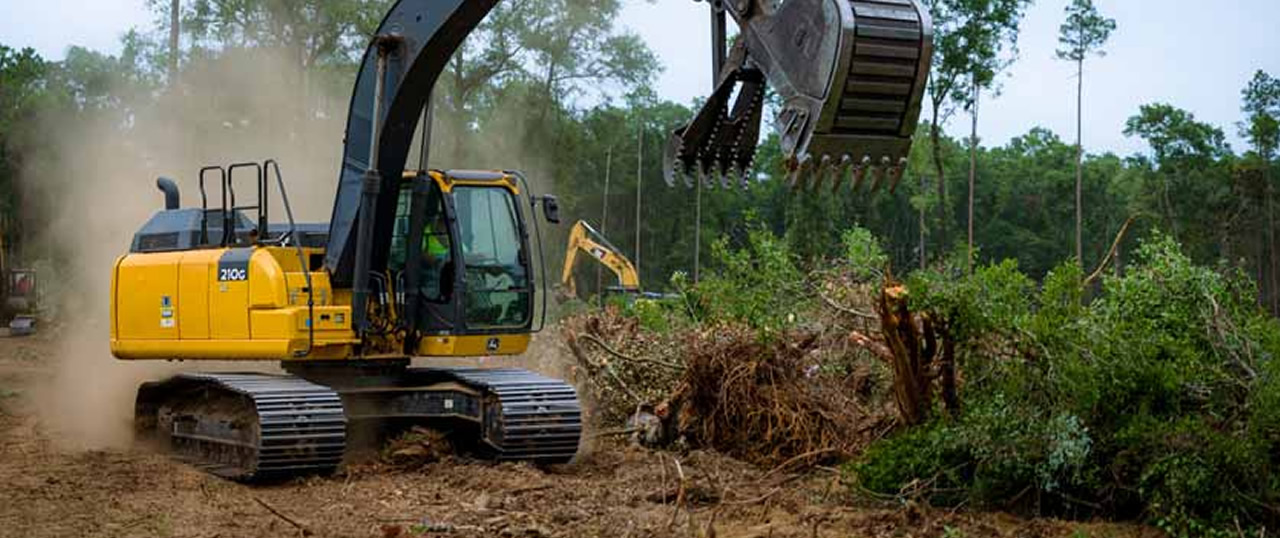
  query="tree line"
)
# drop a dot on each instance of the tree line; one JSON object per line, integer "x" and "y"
{"x": 560, "y": 89}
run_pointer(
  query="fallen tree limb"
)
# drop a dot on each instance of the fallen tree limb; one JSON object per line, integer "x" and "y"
{"x": 846, "y": 310}
{"x": 614, "y": 433}
{"x": 600, "y": 343}
{"x": 755, "y": 500}
{"x": 679, "y": 493}
{"x": 572, "y": 341}
{"x": 801, "y": 457}
{"x": 868, "y": 343}
{"x": 305, "y": 531}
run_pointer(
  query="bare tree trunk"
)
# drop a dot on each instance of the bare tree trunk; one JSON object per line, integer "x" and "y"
{"x": 639, "y": 185}
{"x": 1264, "y": 300}
{"x": 1168, "y": 206}
{"x": 173, "y": 41}
{"x": 935, "y": 136}
{"x": 604, "y": 222}
{"x": 697, "y": 233}
{"x": 1118, "y": 266}
{"x": 1271, "y": 238}
{"x": 973, "y": 166}
{"x": 921, "y": 350}
{"x": 911, "y": 381}
{"x": 923, "y": 257}
{"x": 1080, "y": 162}
{"x": 459, "y": 99}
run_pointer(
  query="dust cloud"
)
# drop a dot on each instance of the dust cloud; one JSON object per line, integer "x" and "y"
{"x": 94, "y": 186}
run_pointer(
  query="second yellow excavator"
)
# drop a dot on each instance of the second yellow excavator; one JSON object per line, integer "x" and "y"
{"x": 583, "y": 239}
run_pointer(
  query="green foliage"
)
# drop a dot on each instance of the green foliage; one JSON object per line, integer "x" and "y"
{"x": 1175, "y": 135}
{"x": 1262, "y": 114}
{"x": 992, "y": 298}
{"x": 22, "y": 74}
{"x": 863, "y": 253}
{"x": 653, "y": 316}
{"x": 758, "y": 284}
{"x": 321, "y": 32}
{"x": 1157, "y": 400}
{"x": 972, "y": 38}
{"x": 1262, "y": 94}
{"x": 1084, "y": 32}
{"x": 1191, "y": 158}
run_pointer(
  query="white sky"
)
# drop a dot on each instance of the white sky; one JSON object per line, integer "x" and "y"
{"x": 1194, "y": 55}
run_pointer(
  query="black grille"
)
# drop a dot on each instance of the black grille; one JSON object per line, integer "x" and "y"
{"x": 159, "y": 242}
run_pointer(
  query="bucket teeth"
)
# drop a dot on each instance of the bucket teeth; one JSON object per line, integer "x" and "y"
{"x": 820, "y": 175}
{"x": 842, "y": 170}
{"x": 860, "y": 173}
{"x": 726, "y": 177}
{"x": 814, "y": 173}
{"x": 895, "y": 175}
{"x": 672, "y": 166}
{"x": 801, "y": 173}
{"x": 746, "y": 176}
{"x": 720, "y": 141}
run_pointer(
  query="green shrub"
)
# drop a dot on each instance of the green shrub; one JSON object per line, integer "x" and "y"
{"x": 863, "y": 253}
{"x": 759, "y": 284}
{"x": 1159, "y": 400}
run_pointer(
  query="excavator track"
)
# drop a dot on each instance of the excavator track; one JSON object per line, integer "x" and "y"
{"x": 255, "y": 427}
{"x": 246, "y": 426}
{"x": 526, "y": 416}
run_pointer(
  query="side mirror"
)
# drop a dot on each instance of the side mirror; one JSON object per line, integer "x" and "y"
{"x": 551, "y": 209}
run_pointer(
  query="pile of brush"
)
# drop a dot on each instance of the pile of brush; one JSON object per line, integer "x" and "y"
{"x": 797, "y": 397}
{"x": 769, "y": 401}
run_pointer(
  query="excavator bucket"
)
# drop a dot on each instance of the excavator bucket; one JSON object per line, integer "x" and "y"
{"x": 850, "y": 75}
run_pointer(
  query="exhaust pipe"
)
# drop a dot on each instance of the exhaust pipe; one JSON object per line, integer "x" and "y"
{"x": 170, "y": 190}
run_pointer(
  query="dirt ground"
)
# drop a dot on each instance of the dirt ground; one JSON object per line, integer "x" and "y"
{"x": 50, "y": 490}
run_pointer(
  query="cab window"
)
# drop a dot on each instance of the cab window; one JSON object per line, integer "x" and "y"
{"x": 496, "y": 277}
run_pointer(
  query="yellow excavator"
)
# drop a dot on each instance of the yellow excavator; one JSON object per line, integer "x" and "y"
{"x": 583, "y": 239}
{"x": 424, "y": 264}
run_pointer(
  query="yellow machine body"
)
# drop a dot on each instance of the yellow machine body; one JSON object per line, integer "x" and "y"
{"x": 251, "y": 303}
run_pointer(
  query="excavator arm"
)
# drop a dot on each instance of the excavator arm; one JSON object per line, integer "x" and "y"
{"x": 585, "y": 239}
{"x": 850, "y": 75}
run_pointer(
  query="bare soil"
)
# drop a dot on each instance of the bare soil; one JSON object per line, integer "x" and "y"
{"x": 48, "y": 490}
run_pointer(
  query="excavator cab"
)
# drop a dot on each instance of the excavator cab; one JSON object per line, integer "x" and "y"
{"x": 462, "y": 266}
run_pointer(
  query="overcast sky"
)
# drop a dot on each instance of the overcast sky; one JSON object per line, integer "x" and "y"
{"x": 1193, "y": 54}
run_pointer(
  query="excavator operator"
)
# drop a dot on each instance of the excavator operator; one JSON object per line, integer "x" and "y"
{"x": 438, "y": 255}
